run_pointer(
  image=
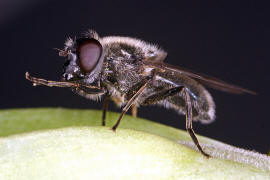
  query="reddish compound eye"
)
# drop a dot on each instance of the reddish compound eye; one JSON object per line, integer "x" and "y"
{"x": 89, "y": 52}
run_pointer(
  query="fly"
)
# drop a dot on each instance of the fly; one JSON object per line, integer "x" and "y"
{"x": 132, "y": 73}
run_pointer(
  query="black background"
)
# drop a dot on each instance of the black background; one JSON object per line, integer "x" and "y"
{"x": 226, "y": 40}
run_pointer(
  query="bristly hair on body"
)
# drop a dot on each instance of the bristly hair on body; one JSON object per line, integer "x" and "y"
{"x": 132, "y": 73}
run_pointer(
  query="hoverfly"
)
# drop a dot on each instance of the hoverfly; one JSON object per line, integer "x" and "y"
{"x": 131, "y": 73}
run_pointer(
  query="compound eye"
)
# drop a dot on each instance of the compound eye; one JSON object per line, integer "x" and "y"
{"x": 89, "y": 52}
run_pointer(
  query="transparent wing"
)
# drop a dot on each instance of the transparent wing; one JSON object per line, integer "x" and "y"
{"x": 206, "y": 80}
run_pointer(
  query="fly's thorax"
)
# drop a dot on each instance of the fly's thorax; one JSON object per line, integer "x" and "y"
{"x": 123, "y": 74}
{"x": 133, "y": 48}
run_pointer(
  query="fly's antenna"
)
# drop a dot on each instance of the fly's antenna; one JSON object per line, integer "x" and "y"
{"x": 61, "y": 52}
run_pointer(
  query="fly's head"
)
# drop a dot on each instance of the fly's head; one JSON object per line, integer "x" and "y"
{"x": 84, "y": 61}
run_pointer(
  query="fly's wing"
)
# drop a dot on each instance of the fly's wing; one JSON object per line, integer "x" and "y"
{"x": 207, "y": 80}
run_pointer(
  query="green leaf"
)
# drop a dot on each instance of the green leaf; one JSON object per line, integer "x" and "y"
{"x": 70, "y": 144}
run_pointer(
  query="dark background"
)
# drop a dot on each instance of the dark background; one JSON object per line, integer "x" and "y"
{"x": 226, "y": 40}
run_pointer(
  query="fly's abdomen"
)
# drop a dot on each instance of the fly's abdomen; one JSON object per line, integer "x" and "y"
{"x": 167, "y": 90}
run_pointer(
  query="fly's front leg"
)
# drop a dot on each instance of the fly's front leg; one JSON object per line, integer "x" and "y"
{"x": 38, "y": 81}
{"x": 189, "y": 123}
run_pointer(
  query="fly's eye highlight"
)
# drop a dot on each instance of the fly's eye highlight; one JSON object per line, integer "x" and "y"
{"x": 89, "y": 52}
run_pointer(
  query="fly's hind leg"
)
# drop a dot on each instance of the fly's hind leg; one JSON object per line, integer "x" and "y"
{"x": 189, "y": 128}
{"x": 162, "y": 95}
{"x": 188, "y": 106}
